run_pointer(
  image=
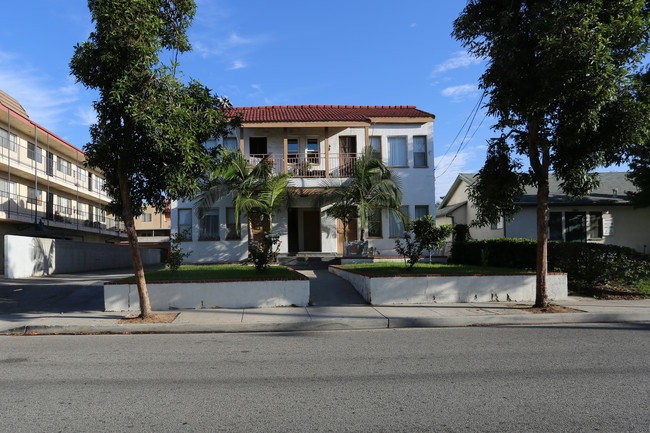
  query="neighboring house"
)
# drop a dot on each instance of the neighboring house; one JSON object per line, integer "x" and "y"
{"x": 45, "y": 190}
{"x": 317, "y": 144}
{"x": 605, "y": 216}
{"x": 153, "y": 228}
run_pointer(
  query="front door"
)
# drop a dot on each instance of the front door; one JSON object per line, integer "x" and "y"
{"x": 293, "y": 231}
{"x": 311, "y": 229}
{"x": 352, "y": 234}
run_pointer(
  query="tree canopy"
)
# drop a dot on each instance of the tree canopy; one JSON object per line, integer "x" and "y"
{"x": 151, "y": 126}
{"x": 560, "y": 80}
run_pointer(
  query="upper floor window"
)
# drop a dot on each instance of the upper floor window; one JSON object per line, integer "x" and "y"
{"x": 8, "y": 189}
{"x": 292, "y": 148}
{"x": 420, "y": 151}
{"x": 397, "y": 151}
{"x": 7, "y": 140}
{"x": 34, "y": 152}
{"x": 64, "y": 166}
{"x": 375, "y": 146}
{"x": 34, "y": 196}
{"x": 313, "y": 150}
{"x": 146, "y": 217}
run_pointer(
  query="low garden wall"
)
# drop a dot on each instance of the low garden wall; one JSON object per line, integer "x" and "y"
{"x": 425, "y": 289}
{"x": 209, "y": 294}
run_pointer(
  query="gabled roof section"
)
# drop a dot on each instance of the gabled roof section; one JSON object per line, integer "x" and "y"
{"x": 327, "y": 113}
{"x": 467, "y": 178}
{"x": 12, "y": 104}
{"x": 612, "y": 190}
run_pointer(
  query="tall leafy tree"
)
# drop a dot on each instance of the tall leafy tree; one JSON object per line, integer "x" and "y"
{"x": 559, "y": 80}
{"x": 150, "y": 130}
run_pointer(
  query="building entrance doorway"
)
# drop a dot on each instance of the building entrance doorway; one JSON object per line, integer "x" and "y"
{"x": 304, "y": 230}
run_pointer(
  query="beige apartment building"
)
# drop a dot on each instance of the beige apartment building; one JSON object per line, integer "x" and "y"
{"x": 45, "y": 190}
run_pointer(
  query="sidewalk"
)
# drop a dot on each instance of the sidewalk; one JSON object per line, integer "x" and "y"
{"x": 329, "y": 318}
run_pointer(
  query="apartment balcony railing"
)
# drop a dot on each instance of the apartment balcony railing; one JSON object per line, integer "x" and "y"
{"x": 37, "y": 162}
{"x": 32, "y": 210}
{"x": 314, "y": 165}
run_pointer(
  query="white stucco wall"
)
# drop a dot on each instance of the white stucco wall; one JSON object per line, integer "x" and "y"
{"x": 631, "y": 226}
{"x": 424, "y": 289}
{"x": 28, "y": 256}
{"x": 209, "y": 294}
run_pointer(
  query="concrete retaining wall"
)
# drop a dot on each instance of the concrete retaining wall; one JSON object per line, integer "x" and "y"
{"x": 32, "y": 257}
{"x": 425, "y": 289}
{"x": 209, "y": 294}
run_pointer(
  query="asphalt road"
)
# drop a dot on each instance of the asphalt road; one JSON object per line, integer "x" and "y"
{"x": 506, "y": 379}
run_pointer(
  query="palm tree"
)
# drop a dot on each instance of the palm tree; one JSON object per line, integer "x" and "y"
{"x": 372, "y": 187}
{"x": 253, "y": 189}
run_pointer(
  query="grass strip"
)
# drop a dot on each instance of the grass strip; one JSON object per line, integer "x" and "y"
{"x": 215, "y": 272}
{"x": 394, "y": 268}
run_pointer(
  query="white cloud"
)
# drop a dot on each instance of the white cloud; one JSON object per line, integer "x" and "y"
{"x": 256, "y": 87}
{"x": 208, "y": 46}
{"x": 460, "y": 59}
{"x": 86, "y": 116}
{"x": 413, "y": 25}
{"x": 237, "y": 64}
{"x": 459, "y": 93}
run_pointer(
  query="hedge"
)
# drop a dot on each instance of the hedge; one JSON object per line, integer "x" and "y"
{"x": 585, "y": 263}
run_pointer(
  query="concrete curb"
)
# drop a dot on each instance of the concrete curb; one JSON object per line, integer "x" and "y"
{"x": 334, "y": 324}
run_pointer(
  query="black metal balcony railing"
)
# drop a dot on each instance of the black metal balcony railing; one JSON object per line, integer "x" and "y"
{"x": 315, "y": 165}
{"x": 35, "y": 210}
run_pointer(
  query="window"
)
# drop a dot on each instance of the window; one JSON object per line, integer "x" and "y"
{"x": 420, "y": 211}
{"x": 8, "y": 141}
{"x": 101, "y": 215}
{"x": 8, "y": 189}
{"x": 313, "y": 150}
{"x": 64, "y": 166}
{"x": 81, "y": 176}
{"x": 420, "y": 151}
{"x": 292, "y": 149}
{"x": 595, "y": 225}
{"x": 396, "y": 224}
{"x": 185, "y": 223}
{"x": 34, "y": 152}
{"x": 34, "y": 196}
{"x": 90, "y": 181}
{"x": 374, "y": 224}
{"x": 146, "y": 217}
{"x": 231, "y": 226}
{"x": 555, "y": 226}
{"x": 209, "y": 226}
{"x": 65, "y": 206}
{"x": 397, "y": 152}
{"x": 375, "y": 145}
{"x": 498, "y": 225}
{"x": 230, "y": 143}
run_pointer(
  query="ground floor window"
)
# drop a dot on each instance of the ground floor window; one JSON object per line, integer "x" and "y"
{"x": 374, "y": 224}
{"x": 209, "y": 226}
{"x": 396, "y": 225}
{"x": 231, "y": 226}
{"x": 575, "y": 226}
{"x": 420, "y": 211}
{"x": 185, "y": 222}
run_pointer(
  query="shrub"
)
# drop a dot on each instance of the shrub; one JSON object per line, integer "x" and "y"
{"x": 176, "y": 254}
{"x": 411, "y": 249}
{"x": 265, "y": 252}
{"x": 430, "y": 236}
{"x": 585, "y": 263}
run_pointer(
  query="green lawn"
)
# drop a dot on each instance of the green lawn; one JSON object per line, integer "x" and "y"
{"x": 394, "y": 268}
{"x": 643, "y": 287}
{"x": 215, "y": 272}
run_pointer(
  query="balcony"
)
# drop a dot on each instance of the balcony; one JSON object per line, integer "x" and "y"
{"x": 24, "y": 161}
{"x": 310, "y": 165}
{"x": 19, "y": 208}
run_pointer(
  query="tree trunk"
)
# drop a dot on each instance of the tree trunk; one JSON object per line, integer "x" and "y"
{"x": 129, "y": 224}
{"x": 541, "y": 293}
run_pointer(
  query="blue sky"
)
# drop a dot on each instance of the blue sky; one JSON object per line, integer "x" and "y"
{"x": 273, "y": 53}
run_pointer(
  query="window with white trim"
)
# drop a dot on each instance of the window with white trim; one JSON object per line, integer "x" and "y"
{"x": 419, "y": 151}
{"x": 146, "y": 217}
{"x": 64, "y": 166}
{"x": 231, "y": 225}
{"x": 34, "y": 153}
{"x": 209, "y": 226}
{"x": 375, "y": 145}
{"x": 397, "y": 156}
{"x": 396, "y": 226}
{"x": 185, "y": 223}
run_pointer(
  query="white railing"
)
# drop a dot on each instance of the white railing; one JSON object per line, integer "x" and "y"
{"x": 315, "y": 165}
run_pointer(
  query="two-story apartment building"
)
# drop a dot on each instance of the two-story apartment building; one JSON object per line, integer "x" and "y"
{"x": 318, "y": 144}
{"x": 45, "y": 190}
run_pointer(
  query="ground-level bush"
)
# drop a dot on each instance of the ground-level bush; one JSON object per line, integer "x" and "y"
{"x": 585, "y": 263}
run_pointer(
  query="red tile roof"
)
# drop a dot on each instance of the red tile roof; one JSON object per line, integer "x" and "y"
{"x": 325, "y": 113}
